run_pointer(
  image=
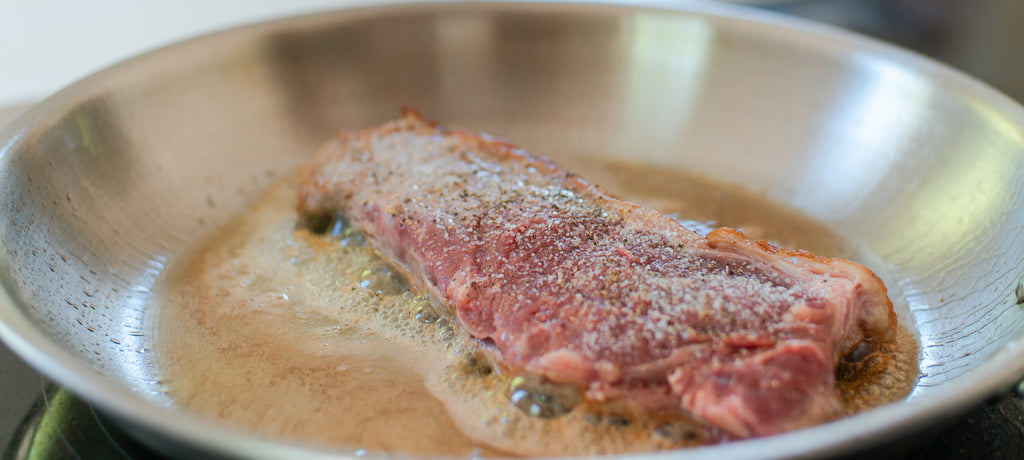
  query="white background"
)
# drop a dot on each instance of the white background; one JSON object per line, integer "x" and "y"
{"x": 48, "y": 44}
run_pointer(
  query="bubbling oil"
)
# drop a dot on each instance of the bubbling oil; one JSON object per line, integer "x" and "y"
{"x": 314, "y": 338}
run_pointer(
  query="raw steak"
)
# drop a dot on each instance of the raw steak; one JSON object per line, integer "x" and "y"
{"x": 559, "y": 279}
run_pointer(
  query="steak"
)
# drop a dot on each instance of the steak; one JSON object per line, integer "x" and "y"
{"x": 557, "y": 278}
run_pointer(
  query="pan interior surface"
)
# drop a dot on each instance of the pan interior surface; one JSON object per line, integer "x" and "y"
{"x": 109, "y": 181}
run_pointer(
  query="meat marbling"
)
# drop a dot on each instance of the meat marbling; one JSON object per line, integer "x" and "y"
{"x": 559, "y": 279}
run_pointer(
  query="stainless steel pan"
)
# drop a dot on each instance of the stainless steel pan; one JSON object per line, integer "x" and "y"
{"x": 107, "y": 182}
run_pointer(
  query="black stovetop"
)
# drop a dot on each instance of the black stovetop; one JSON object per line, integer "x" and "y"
{"x": 42, "y": 420}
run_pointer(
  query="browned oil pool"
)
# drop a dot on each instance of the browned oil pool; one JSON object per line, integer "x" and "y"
{"x": 309, "y": 337}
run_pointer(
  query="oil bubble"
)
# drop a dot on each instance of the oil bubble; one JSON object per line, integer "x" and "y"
{"x": 539, "y": 397}
{"x": 380, "y": 279}
{"x": 426, "y": 314}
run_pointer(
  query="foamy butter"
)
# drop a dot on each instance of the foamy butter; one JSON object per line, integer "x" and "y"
{"x": 311, "y": 338}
